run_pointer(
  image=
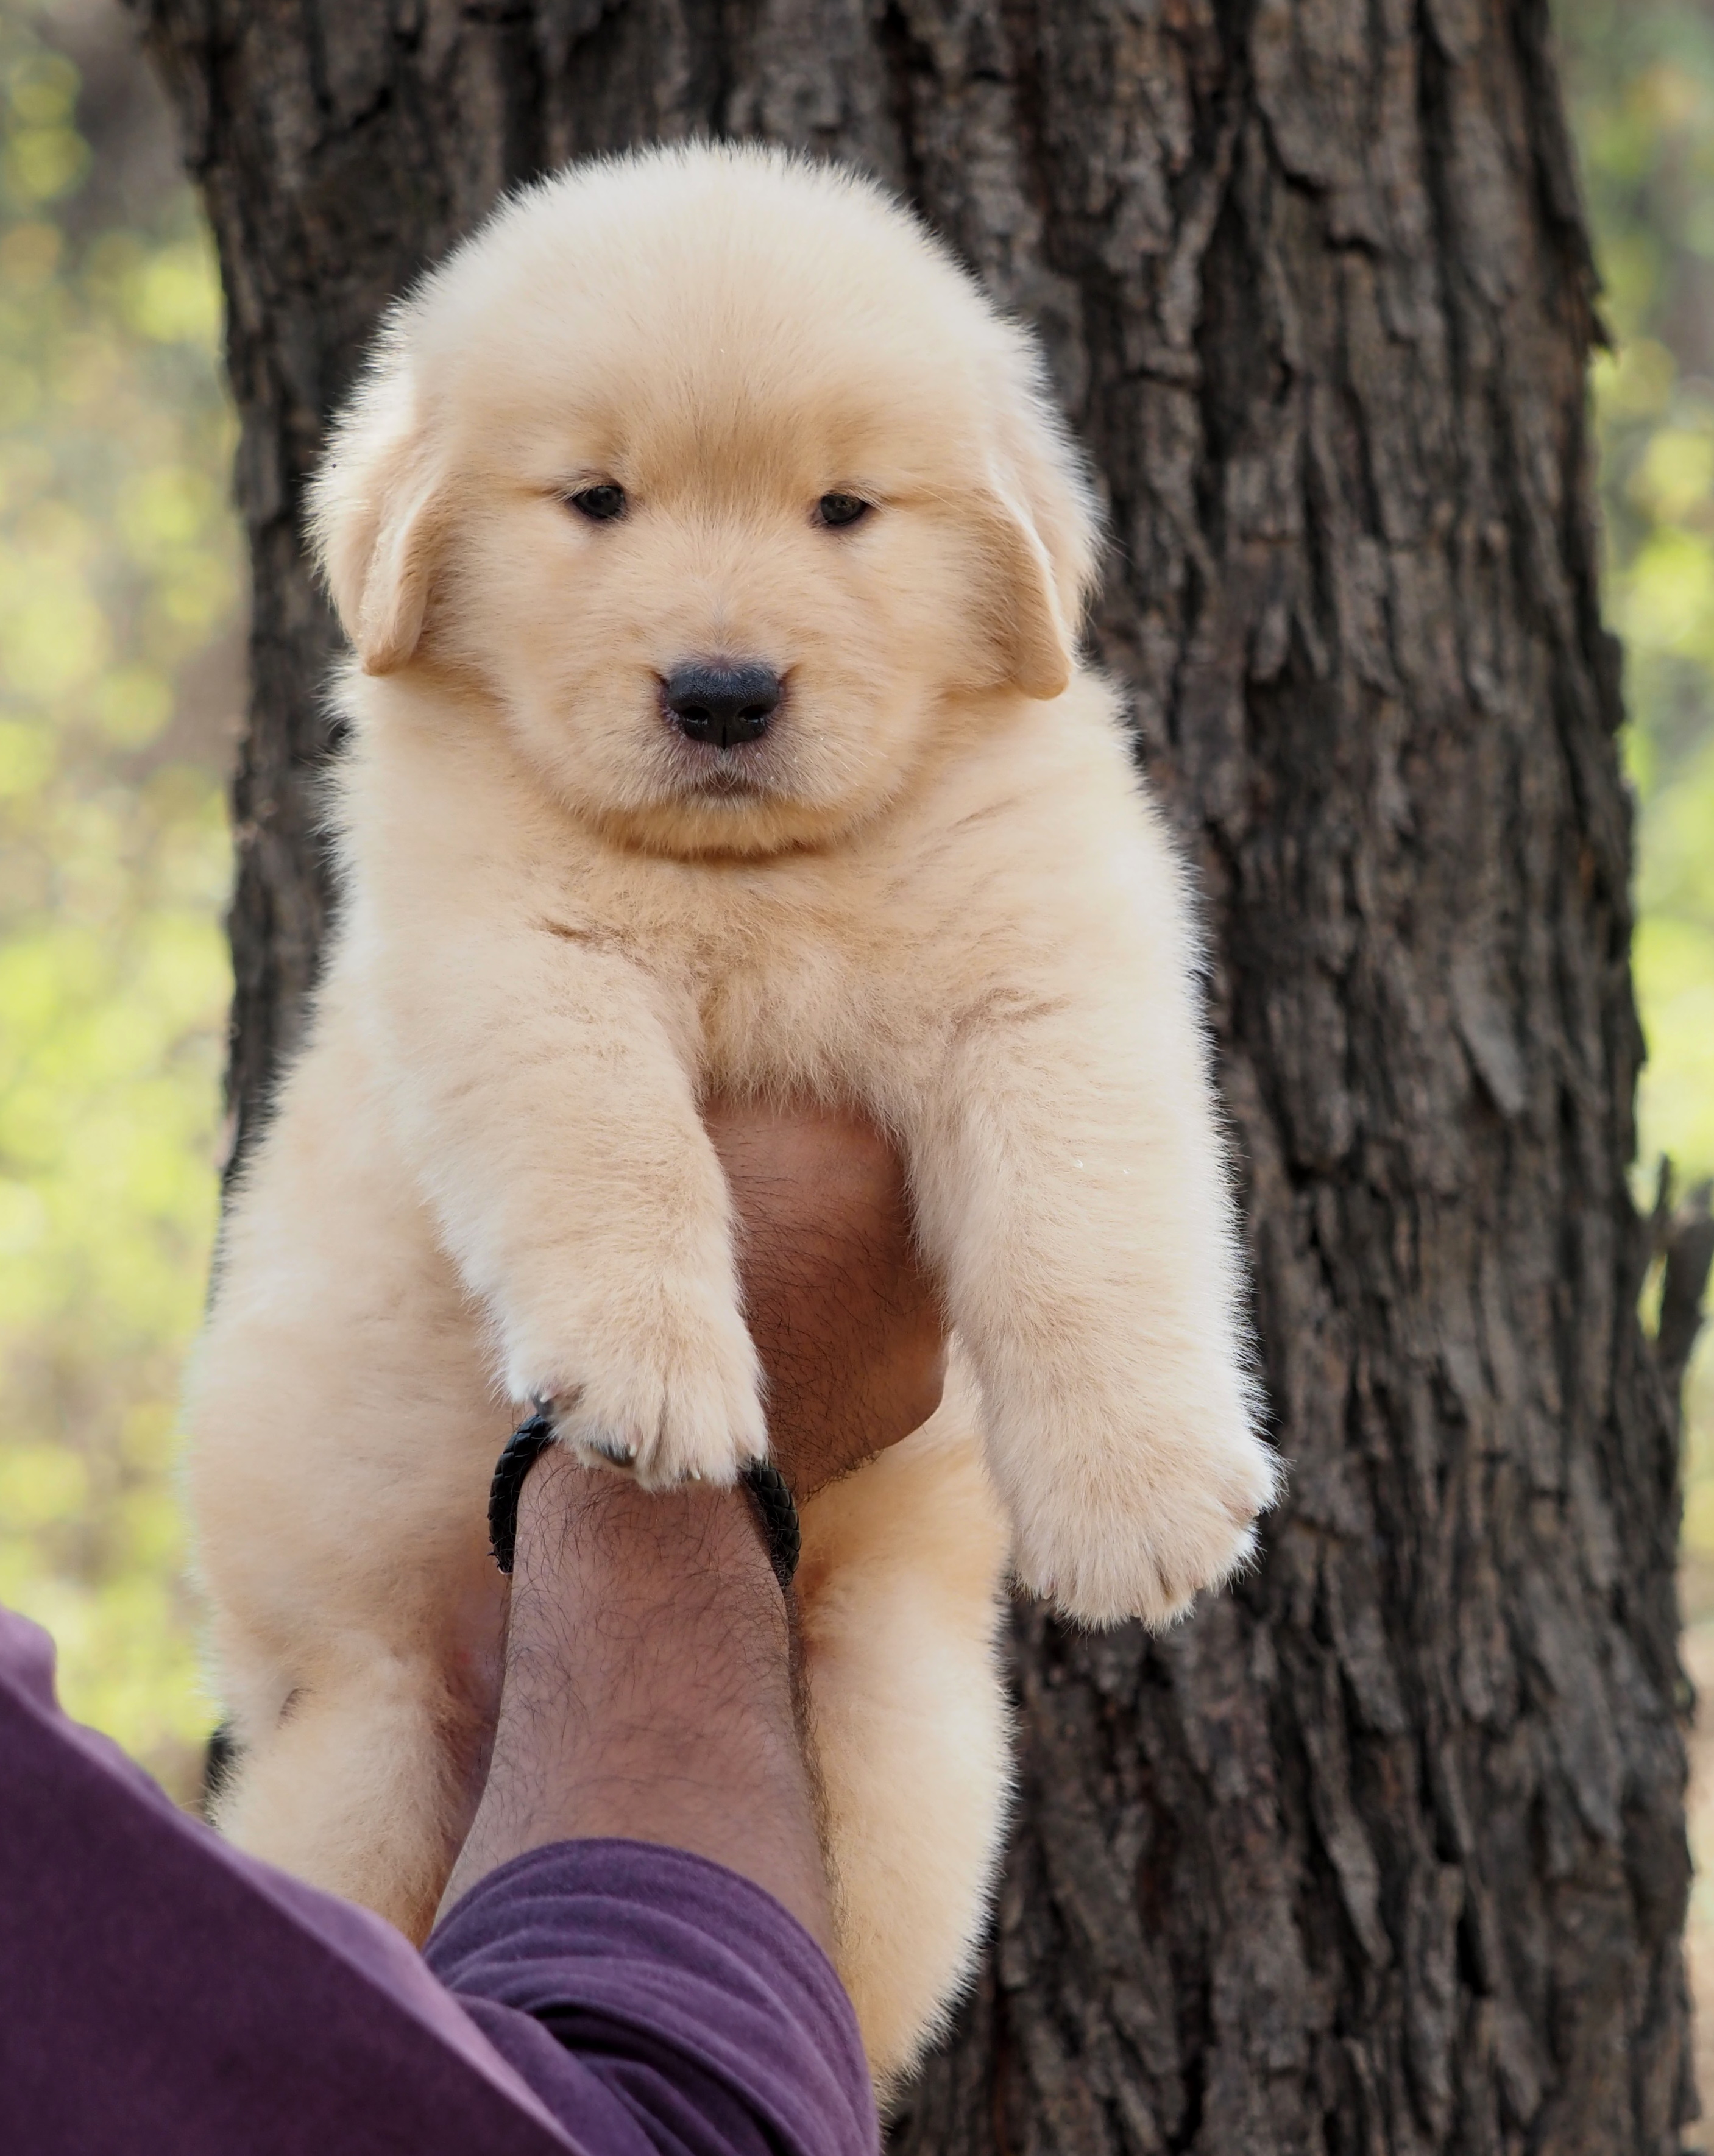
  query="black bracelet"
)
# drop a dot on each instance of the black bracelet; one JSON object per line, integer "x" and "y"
{"x": 518, "y": 1455}
{"x": 766, "y": 1485}
{"x": 778, "y": 1510}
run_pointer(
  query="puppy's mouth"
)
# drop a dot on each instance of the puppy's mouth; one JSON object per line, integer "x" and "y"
{"x": 729, "y": 775}
{"x": 711, "y": 773}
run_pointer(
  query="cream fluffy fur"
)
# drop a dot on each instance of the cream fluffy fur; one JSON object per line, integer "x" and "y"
{"x": 935, "y": 889}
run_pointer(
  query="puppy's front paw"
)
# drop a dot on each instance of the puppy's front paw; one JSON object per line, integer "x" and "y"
{"x": 1133, "y": 1522}
{"x": 664, "y": 1382}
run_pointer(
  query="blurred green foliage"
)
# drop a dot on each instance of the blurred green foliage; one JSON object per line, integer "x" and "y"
{"x": 1639, "y": 74}
{"x": 118, "y": 571}
{"x": 1640, "y": 78}
{"x": 119, "y": 581}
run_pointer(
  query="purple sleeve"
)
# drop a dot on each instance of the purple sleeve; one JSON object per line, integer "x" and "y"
{"x": 691, "y": 2014}
{"x": 163, "y": 1995}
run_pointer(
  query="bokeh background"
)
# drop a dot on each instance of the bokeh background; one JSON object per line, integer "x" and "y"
{"x": 121, "y": 691}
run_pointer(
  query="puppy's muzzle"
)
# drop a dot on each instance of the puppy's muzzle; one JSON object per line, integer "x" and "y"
{"x": 724, "y": 705}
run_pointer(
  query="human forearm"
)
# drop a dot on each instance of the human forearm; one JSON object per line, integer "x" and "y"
{"x": 647, "y": 1689}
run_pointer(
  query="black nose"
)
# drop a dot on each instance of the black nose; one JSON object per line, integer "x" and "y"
{"x": 723, "y": 704}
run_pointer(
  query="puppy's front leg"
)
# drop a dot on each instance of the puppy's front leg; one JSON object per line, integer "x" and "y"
{"x": 1073, "y": 1185}
{"x": 551, "y": 1115}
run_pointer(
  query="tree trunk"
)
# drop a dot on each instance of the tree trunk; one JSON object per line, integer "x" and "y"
{"x": 1384, "y": 1851}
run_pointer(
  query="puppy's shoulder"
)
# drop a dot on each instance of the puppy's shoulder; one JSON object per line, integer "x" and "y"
{"x": 1043, "y": 837}
{"x": 1049, "y": 773}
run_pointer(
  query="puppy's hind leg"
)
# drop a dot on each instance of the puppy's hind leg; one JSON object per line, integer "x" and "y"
{"x": 364, "y": 1786}
{"x": 900, "y": 1598}
{"x": 342, "y": 1436}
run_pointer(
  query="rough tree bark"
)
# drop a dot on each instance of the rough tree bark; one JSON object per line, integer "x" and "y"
{"x": 1384, "y": 1851}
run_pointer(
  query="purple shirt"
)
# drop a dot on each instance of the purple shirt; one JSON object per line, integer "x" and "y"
{"x": 161, "y": 1995}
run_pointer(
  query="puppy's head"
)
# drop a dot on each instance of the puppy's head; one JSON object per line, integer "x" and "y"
{"x": 727, "y": 484}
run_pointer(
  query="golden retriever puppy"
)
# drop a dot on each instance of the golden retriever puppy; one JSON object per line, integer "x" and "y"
{"x": 714, "y": 563}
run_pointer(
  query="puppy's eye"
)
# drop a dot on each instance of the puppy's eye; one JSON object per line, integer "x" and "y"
{"x": 599, "y": 503}
{"x": 837, "y": 510}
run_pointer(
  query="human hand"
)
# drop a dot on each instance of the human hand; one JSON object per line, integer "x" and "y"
{"x": 846, "y": 1320}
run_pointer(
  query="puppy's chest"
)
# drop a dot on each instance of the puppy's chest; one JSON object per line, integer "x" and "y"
{"x": 786, "y": 980}
{"x": 795, "y": 999}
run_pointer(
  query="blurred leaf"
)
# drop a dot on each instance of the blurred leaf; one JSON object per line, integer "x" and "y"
{"x": 1641, "y": 82}
{"x": 119, "y": 565}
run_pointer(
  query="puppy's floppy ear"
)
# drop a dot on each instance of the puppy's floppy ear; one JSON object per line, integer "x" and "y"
{"x": 1041, "y": 533}
{"x": 1037, "y": 644}
{"x": 378, "y": 511}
